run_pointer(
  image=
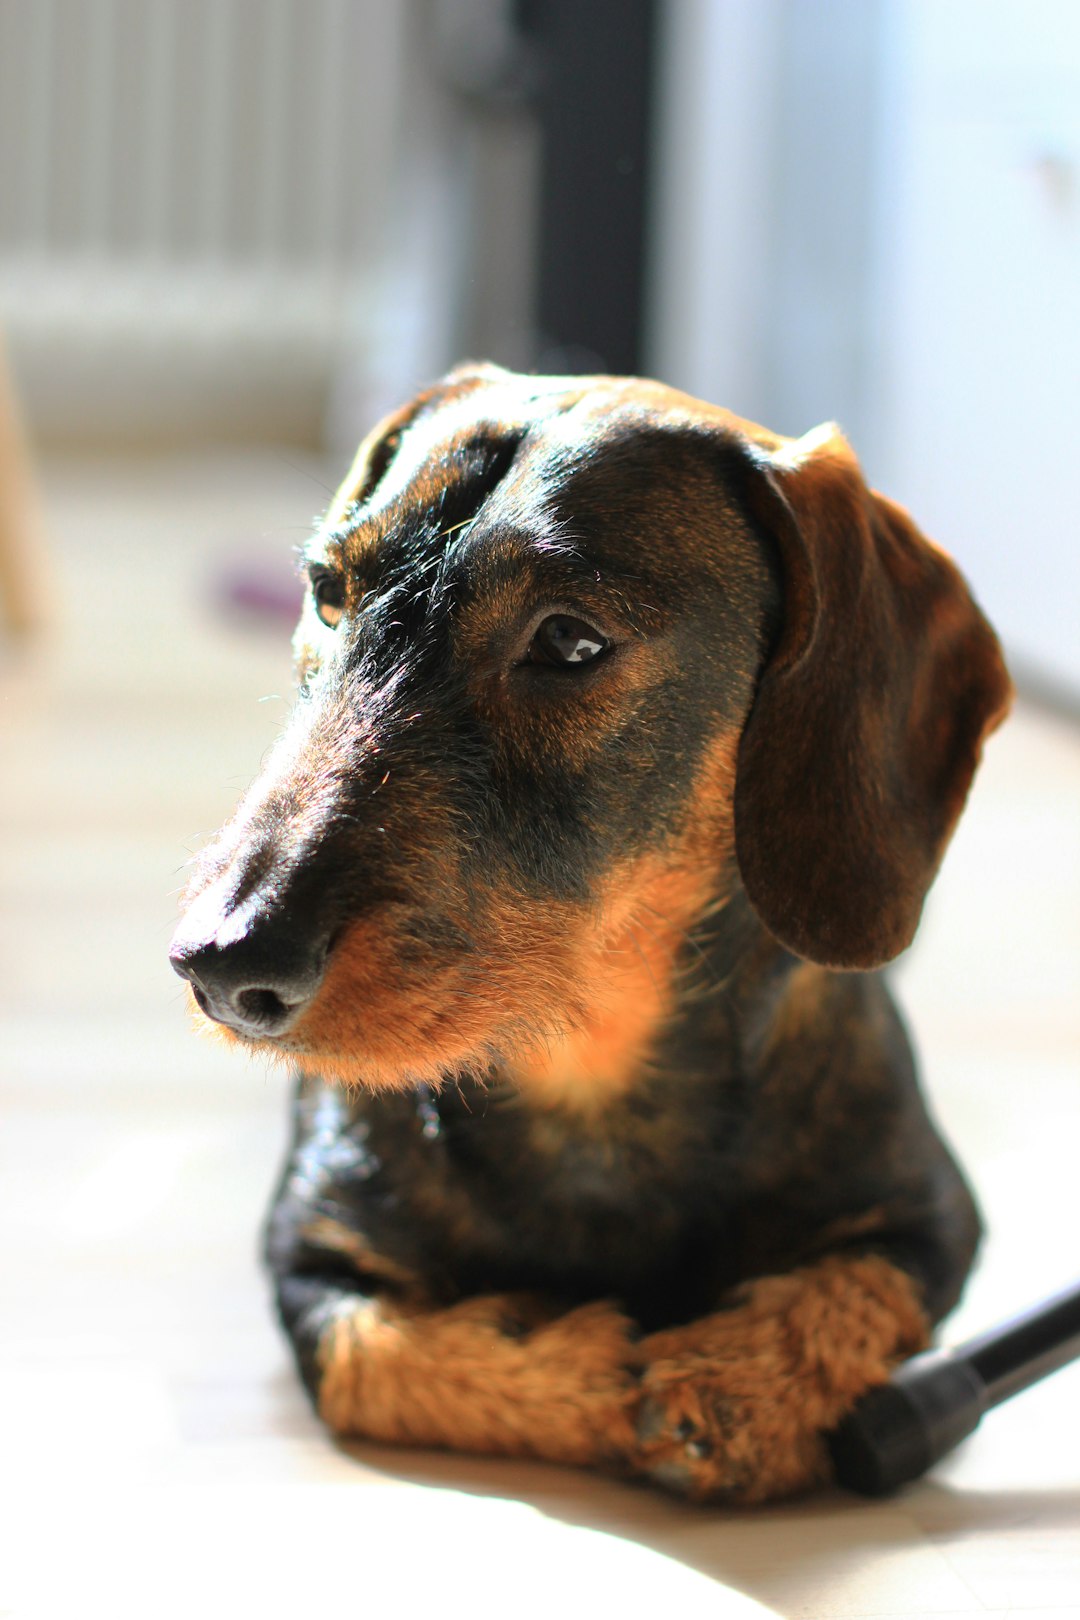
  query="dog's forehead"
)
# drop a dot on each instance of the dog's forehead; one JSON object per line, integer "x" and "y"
{"x": 550, "y": 416}
{"x": 405, "y": 454}
{"x": 554, "y": 468}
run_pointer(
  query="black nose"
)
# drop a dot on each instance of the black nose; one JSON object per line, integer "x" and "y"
{"x": 257, "y": 981}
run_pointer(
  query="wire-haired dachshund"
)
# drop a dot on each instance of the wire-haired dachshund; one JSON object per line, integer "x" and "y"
{"x": 629, "y": 739}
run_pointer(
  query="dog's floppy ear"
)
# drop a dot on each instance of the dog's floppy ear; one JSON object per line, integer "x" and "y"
{"x": 869, "y": 717}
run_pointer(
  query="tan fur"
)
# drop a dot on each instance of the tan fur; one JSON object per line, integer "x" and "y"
{"x": 487, "y": 1375}
{"x": 747, "y": 1393}
{"x": 756, "y": 1388}
{"x": 587, "y": 987}
{"x": 325, "y": 1233}
{"x": 648, "y": 911}
{"x": 630, "y": 963}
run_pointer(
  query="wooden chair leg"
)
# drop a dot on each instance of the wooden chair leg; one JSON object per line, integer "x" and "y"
{"x": 22, "y": 531}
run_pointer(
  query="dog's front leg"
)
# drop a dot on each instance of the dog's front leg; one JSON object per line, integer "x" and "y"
{"x": 496, "y": 1374}
{"x": 737, "y": 1404}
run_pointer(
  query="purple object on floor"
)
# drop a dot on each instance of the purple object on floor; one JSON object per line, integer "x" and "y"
{"x": 261, "y": 590}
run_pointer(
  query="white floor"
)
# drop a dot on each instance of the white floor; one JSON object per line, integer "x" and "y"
{"x": 156, "y": 1455}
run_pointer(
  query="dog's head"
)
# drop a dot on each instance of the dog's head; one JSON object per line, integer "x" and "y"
{"x": 578, "y": 657}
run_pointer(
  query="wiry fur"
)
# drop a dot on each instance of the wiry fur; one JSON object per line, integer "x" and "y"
{"x": 598, "y": 1157}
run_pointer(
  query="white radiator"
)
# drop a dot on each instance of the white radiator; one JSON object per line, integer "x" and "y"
{"x": 194, "y": 200}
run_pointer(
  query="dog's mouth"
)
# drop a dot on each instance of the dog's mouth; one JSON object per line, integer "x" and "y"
{"x": 563, "y": 997}
{"x": 557, "y": 997}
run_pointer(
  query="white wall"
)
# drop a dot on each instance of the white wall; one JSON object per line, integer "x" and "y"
{"x": 870, "y": 210}
{"x": 710, "y": 215}
{"x": 979, "y": 305}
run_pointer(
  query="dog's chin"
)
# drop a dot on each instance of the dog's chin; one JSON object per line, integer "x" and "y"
{"x": 353, "y": 1071}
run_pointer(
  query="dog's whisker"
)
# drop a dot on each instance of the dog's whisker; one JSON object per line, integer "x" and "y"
{"x": 305, "y": 472}
{"x": 685, "y": 936}
{"x": 648, "y": 967}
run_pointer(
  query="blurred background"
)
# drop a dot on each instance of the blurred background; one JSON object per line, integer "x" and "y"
{"x": 269, "y": 220}
{"x": 232, "y": 234}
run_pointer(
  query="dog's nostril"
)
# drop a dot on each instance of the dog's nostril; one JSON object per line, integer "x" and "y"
{"x": 264, "y": 1008}
{"x": 257, "y": 983}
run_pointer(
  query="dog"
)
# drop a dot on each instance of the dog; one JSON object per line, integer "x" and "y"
{"x": 629, "y": 739}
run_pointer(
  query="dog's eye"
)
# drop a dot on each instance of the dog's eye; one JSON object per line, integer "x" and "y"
{"x": 328, "y": 594}
{"x": 561, "y": 640}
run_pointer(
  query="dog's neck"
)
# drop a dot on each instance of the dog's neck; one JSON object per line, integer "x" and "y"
{"x": 670, "y": 973}
{"x": 661, "y": 941}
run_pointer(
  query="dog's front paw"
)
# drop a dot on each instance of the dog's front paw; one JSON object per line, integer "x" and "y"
{"x": 736, "y": 1406}
{"x": 702, "y": 1439}
{"x": 504, "y": 1374}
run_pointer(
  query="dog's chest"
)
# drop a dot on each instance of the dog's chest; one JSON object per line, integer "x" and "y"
{"x": 477, "y": 1192}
